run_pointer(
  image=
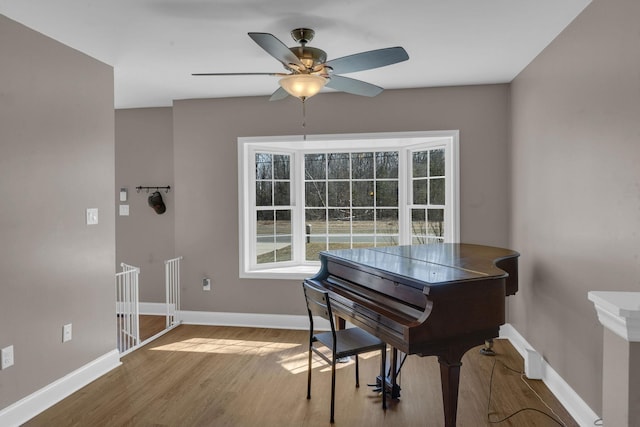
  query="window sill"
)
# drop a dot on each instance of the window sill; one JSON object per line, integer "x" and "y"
{"x": 298, "y": 272}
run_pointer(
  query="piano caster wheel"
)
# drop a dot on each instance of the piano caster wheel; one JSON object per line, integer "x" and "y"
{"x": 487, "y": 350}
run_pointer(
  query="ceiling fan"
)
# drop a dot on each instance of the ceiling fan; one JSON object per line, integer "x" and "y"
{"x": 308, "y": 68}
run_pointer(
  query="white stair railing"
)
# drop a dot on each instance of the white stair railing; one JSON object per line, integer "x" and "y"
{"x": 172, "y": 281}
{"x": 127, "y": 303}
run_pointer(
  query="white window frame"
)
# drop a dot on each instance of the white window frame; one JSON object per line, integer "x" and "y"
{"x": 296, "y": 146}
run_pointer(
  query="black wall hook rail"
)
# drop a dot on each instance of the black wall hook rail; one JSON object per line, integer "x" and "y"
{"x": 166, "y": 188}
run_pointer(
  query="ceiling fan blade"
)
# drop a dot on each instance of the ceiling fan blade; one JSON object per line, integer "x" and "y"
{"x": 353, "y": 86}
{"x": 279, "y": 94}
{"x": 368, "y": 60}
{"x": 238, "y": 74}
{"x": 274, "y": 47}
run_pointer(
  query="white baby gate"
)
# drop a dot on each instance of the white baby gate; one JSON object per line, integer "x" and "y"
{"x": 127, "y": 304}
{"x": 172, "y": 283}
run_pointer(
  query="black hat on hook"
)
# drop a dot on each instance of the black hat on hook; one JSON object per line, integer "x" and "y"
{"x": 155, "y": 201}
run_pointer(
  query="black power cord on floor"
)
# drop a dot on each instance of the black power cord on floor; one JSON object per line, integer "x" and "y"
{"x": 555, "y": 416}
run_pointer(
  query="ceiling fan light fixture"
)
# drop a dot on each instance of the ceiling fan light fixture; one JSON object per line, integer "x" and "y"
{"x": 303, "y": 86}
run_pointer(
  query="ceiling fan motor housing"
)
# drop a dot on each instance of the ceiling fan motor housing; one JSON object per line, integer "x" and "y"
{"x": 309, "y": 56}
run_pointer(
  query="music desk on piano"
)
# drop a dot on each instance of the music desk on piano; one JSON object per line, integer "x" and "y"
{"x": 431, "y": 300}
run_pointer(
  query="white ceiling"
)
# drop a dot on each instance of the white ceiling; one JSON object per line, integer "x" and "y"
{"x": 155, "y": 45}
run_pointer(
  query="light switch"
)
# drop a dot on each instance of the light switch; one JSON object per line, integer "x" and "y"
{"x": 92, "y": 216}
{"x": 67, "y": 333}
{"x": 124, "y": 210}
{"x": 123, "y": 195}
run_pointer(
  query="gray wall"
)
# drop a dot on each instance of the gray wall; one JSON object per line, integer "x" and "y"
{"x": 206, "y": 175}
{"x": 576, "y": 187}
{"x": 144, "y": 157}
{"x": 56, "y": 160}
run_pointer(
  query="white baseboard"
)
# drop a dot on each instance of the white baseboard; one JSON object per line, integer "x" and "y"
{"x": 251, "y": 320}
{"x": 30, "y": 406}
{"x": 154, "y": 308}
{"x": 572, "y": 402}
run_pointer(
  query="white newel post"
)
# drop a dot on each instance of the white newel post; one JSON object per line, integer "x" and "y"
{"x": 619, "y": 313}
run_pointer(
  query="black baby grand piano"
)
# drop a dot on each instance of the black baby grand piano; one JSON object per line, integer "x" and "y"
{"x": 431, "y": 300}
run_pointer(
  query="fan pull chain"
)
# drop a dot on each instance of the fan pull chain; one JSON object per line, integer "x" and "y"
{"x": 304, "y": 119}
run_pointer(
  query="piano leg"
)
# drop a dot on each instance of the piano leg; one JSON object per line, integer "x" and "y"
{"x": 340, "y": 322}
{"x": 450, "y": 378}
{"x": 395, "y": 389}
{"x": 450, "y": 364}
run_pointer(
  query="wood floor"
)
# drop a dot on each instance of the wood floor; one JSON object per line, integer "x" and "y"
{"x": 151, "y": 325}
{"x": 225, "y": 376}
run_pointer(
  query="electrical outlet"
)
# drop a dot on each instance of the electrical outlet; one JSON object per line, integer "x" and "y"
{"x": 66, "y": 333}
{"x": 206, "y": 284}
{"x": 533, "y": 365}
{"x": 6, "y": 357}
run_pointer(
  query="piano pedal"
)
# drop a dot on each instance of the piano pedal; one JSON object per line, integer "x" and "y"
{"x": 487, "y": 350}
{"x": 392, "y": 391}
{"x": 343, "y": 359}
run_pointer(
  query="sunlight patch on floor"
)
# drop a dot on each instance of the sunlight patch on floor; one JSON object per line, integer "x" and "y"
{"x": 226, "y": 346}
{"x": 299, "y": 362}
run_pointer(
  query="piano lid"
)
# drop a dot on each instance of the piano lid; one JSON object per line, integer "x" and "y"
{"x": 436, "y": 263}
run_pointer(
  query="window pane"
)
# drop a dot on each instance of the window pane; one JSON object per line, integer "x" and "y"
{"x": 314, "y": 166}
{"x": 339, "y": 242}
{"x": 283, "y": 249}
{"x": 266, "y": 252}
{"x": 362, "y": 166}
{"x": 313, "y": 248}
{"x": 263, "y": 166}
{"x": 363, "y": 240}
{"x": 265, "y": 244}
{"x": 338, "y": 194}
{"x": 315, "y": 219}
{"x": 436, "y": 162}
{"x": 436, "y": 196}
{"x": 266, "y": 217}
{"x": 283, "y": 222}
{"x": 362, "y": 193}
{"x": 420, "y": 164}
{"x": 387, "y": 193}
{"x": 435, "y": 221}
{"x": 315, "y": 230}
{"x": 281, "y": 194}
{"x": 418, "y": 222}
{"x": 421, "y": 240}
{"x": 338, "y": 165}
{"x": 339, "y": 221}
{"x": 387, "y": 240}
{"x": 264, "y": 223}
{"x": 387, "y": 164}
{"x": 387, "y": 221}
{"x": 314, "y": 194}
{"x": 420, "y": 192}
{"x": 263, "y": 193}
{"x": 363, "y": 221}
{"x": 281, "y": 166}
